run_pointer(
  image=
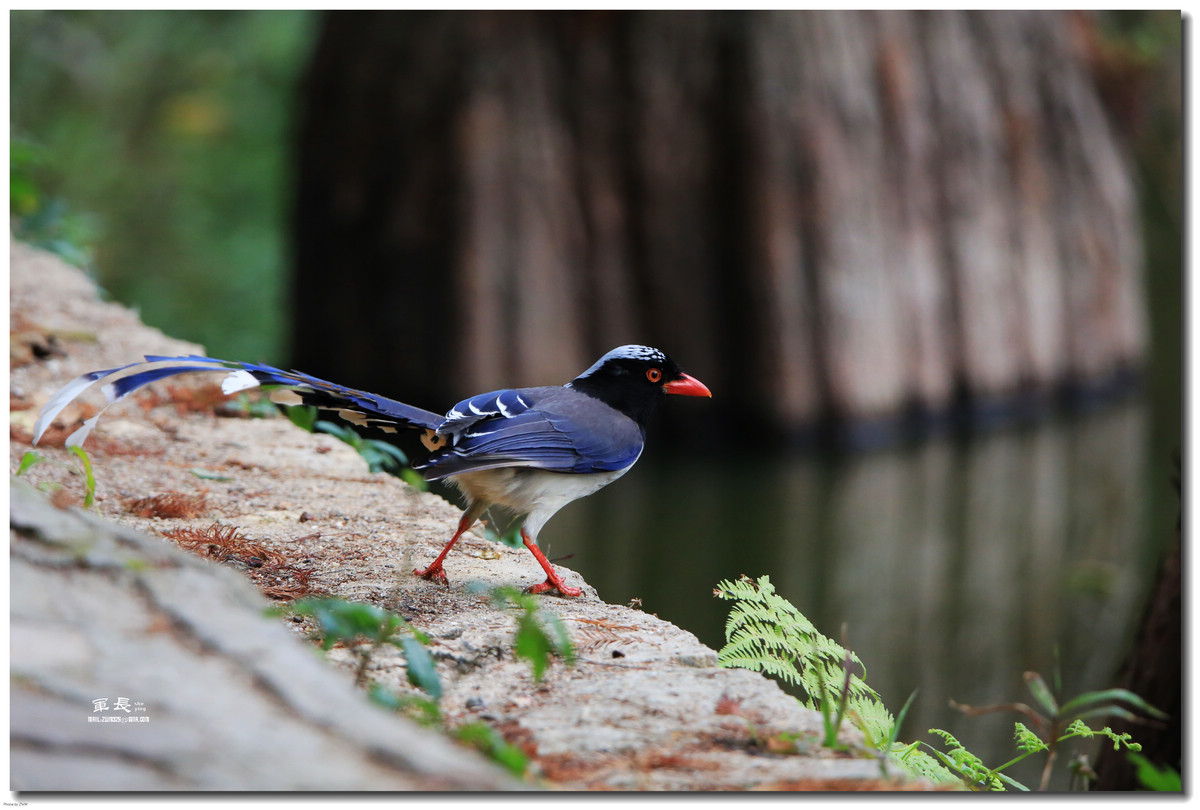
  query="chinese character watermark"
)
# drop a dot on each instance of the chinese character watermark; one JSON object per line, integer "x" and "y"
{"x": 134, "y": 711}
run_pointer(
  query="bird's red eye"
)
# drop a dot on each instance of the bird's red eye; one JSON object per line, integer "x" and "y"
{"x": 653, "y": 374}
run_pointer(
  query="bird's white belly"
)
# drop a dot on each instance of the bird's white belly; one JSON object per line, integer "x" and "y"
{"x": 528, "y": 490}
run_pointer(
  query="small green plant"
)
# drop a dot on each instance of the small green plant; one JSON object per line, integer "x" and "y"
{"x": 1055, "y": 724}
{"x": 486, "y": 739}
{"x": 961, "y": 761}
{"x": 766, "y": 633}
{"x": 832, "y": 717}
{"x": 423, "y": 710}
{"x": 540, "y": 633}
{"x": 906, "y": 753}
{"x": 28, "y": 461}
{"x": 380, "y": 456}
{"x": 339, "y": 620}
{"x": 364, "y": 629}
{"x": 302, "y": 416}
{"x": 32, "y": 458}
{"x": 252, "y": 407}
{"x": 89, "y": 477}
{"x": 978, "y": 776}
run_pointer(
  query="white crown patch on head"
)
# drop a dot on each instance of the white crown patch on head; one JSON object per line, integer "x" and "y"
{"x": 631, "y": 351}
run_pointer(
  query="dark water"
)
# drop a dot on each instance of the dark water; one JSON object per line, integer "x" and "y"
{"x": 954, "y": 567}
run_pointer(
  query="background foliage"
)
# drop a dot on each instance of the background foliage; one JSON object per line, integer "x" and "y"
{"x": 170, "y": 128}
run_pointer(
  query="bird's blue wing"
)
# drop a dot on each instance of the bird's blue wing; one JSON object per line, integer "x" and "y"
{"x": 512, "y": 428}
{"x": 505, "y": 404}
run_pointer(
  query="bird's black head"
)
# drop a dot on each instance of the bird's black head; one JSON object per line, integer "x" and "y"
{"x": 633, "y": 378}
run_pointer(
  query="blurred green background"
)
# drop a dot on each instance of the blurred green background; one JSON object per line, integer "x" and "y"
{"x": 158, "y": 142}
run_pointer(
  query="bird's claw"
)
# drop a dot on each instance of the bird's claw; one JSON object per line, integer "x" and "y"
{"x": 554, "y": 586}
{"x": 434, "y": 573}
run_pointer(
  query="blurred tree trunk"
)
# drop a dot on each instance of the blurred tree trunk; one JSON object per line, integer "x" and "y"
{"x": 821, "y": 214}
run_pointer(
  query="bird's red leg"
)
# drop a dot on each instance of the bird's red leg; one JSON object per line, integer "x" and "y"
{"x": 434, "y": 571}
{"x": 552, "y": 583}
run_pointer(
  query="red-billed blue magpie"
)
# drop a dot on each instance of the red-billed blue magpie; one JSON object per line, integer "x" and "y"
{"x": 530, "y": 450}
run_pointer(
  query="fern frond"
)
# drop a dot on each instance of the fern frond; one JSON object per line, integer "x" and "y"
{"x": 766, "y": 633}
{"x": 919, "y": 763}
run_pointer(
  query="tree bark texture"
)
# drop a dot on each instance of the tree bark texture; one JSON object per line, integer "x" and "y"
{"x": 821, "y": 214}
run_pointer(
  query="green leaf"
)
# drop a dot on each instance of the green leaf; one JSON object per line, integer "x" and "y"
{"x": 560, "y": 639}
{"x": 28, "y": 461}
{"x": 1109, "y": 711}
{"x": 89, "y": 478}
{"x": 491, "y": 743}
{"x": 532, "y": 644}
{"x": 254, "y": 407}
{"x": 965, "y": 763}
{"x": 342, "y": 432}
{"x": 1154, "y": 777}
{"x": 1012, "y": 782}
{"x": 1027, "y": 740}
{"x": 302, "y": 416}
{"x": 950, "y": 739}
{"x": 539, "y": 632}
{"x": 391, "y": 450}
{"x": 511, "y": 538}
{"x": 1041, "y": 692}
{"x": 949, "y": 763}
{"x": 1118, "y": 740}
{"x": 414, "y": 479}
{"x": 209, "y": 475}
{"x": 374, "y": 461}
{"x": 1109, "y": 695}
{"x": 768, "y": 634}
{"x": 421, "y": 709}
{"x": 342, "y": 620}
{"x": 422, "y": 673}
{"x": 895, "y": 732}
{"x": 382, "y": 456}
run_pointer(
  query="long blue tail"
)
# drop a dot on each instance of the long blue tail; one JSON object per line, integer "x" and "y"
{"x": 295, "y": 388}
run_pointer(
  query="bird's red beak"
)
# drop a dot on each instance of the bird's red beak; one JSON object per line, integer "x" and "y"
{"x": 689, "y": 386}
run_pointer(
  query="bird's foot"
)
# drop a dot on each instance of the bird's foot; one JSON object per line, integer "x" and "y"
{"x": 554, "y": 584}
{"x": 433, "y": 573}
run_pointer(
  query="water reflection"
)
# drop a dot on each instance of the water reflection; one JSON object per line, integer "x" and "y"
{"x": 954, "y": 566}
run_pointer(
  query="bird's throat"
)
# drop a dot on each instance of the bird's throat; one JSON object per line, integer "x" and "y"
{"x": 635, "y": 402}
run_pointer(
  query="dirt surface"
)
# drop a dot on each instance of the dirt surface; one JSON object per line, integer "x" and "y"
{"x": 645, "y": 707}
